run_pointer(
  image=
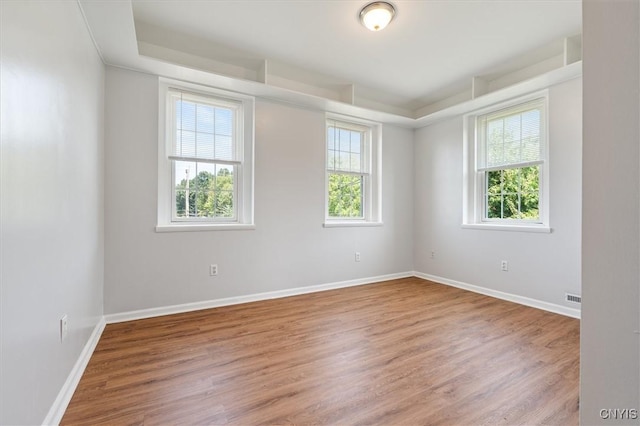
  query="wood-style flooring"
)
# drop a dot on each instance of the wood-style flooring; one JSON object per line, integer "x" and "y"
{"x": 404, "y": 352}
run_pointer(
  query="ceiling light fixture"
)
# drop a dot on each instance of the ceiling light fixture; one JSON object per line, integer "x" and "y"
{"x": 377, "y": 15}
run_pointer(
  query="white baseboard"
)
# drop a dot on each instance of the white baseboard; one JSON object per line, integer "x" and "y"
{"x": 551, "y": 307}
{"x": 207, "y": 304}
{"x": 54, "y": 416}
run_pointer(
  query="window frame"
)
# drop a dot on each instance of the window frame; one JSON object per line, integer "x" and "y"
{"x": 243, "y": 164}
{"x": 371, "y": 171}
{"x": 475, "y": 181}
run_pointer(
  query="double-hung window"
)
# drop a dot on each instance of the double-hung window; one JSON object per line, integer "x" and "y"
{"x": 507, "y": 163}
{"x": 205, "y": 173}
{"x": 352, "y": 172}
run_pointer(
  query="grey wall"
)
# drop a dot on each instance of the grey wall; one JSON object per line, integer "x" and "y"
{"x": 51, "y": 226}
{"x": 610, "y": 357}
{"x": 541, "y": 266}
{"x": 289, "y": 247}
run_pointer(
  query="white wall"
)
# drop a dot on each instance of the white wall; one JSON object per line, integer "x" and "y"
{"x": 609, "y": 355}
{"x": 541, "y": 266}
{"x": 289, "y": 247}
{"x": 51, "y": 226}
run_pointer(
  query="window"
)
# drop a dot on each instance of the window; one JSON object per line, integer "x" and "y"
{"x": 353, "y": 173}
{"x": 206, "y": 167}
{"x": 506, "y": 157}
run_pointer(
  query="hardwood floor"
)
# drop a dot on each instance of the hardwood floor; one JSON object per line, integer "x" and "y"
{"x": 400, "y": 352}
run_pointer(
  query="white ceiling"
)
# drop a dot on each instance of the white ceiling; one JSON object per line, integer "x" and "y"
{"x": 431, "y": 51}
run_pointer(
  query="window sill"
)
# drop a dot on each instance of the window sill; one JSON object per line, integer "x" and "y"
{"x": 347, "y": 224}
{"x": 517, "y": 228}
{"x": 195, "y": 227}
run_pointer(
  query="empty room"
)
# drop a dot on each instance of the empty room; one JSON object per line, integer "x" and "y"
{"x": 320, "y": 212}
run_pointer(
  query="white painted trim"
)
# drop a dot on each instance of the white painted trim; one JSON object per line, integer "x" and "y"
{"x": 534, "y": 303}
{"x": 504, "y": 227}
{"x": 196, "y": 227}
{"x": 54, "y": 416}
{"x": 215, "y": 303}
{"x": 93, "y": 39}
{"x": 346, "y": 224}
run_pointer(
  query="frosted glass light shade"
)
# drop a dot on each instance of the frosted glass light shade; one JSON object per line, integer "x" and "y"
{"x": 377, "y": 15}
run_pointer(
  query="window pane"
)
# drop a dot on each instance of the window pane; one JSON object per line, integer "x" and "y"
{"x": 345, "y": 140}
{"x": 510, "y": 206}
{"x": 494, "y": 207}
{"x": 494, "y": 182}
{"x": 224, "y": 191}
{"x": 186, "y": 115}
{"x": 186, "y": 142}
{"x": 345, "y": 196}
{"x": 331, "y": 160}
{"x": 331, "y": 143}
{"x": 512, "y": 139}
{"x": 204, "y": 145}
{"x": 494, "y": 142}
{"x": 513, "y": 193}
{"x": 204, "y": 190}
{"x": 204, "y": 118}
{"x": 344, "y": 161}
{"x": 224, "y": 148}
{"x": 529, "y": 193}
{"x": 184, "y": 170}
{"x": 182, "y": 207}
{"x": 531, "y": 148}
{"x": 511, "y": 152}
{"x": 223, "y": 122}
{"x": 355, "y": 163}
{"x": 529, "y": 206}
{"x": 510, "y": 184}
{"x": 224, "y": 204}
{"x": 203, "y": 180}
{"x": 531, "y": 123}
{"x": 204, "y": 131}
{"x": 512, "y": 128}
{"x": 530, "y": 179}
{"x": 356, "y": 141}
{"x": 203, "y": 204}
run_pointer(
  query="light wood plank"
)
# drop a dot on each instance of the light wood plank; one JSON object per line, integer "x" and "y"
{"x": 407, "y": 351}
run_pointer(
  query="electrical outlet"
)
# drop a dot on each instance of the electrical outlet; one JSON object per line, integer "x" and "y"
{"x": 64, "y": 327}
{"x": 504, "y": 266}
{"x": 213, "y": 269}
{"x": 433, "y": 254}
{"x": 357, "y": 256}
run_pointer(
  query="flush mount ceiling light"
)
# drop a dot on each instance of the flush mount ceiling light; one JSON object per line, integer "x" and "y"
{"x": 377, "y": 15}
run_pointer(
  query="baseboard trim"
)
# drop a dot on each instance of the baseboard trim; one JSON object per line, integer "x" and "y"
{"x": 54, "y": 416}
{"x": 534, "y": 303}
{"x": 215, "y": 303}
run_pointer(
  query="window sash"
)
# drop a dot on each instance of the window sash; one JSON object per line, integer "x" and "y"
{"x": 223, "y": 219}
{"x": 511, "y": 166}
{"x": 524, "y": 156}
{"x": 483, "y": 176}
{"x": 232, "y": 152}
{"x": 203, "y": 160}
{"x": 362, "y": 146}
{"x": 364, "y": 182}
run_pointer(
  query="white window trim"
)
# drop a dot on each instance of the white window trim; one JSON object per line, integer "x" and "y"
{"x": 373, "y": 196}
{"x": 473, "y": 185}
{"x": 244, "y": 180}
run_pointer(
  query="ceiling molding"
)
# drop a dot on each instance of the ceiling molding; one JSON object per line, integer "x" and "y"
{"x": 145, "y": 47}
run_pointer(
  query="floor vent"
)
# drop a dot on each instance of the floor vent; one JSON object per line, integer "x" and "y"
{"x": 572, "y": 298}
